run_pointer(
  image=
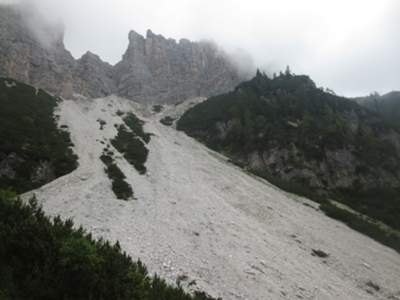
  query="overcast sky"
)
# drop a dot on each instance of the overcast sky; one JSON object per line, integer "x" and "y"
{"x": 350, "y": 46}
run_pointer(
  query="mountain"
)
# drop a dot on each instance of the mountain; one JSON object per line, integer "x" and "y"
{"x": 153, "y": 69}
{"x": 387, "y": 106}
{"x": 305, "y": 140}
{"x": 144, "y": 190}
{"x": 94, "y": 77}
{"x": 157, "y": 69}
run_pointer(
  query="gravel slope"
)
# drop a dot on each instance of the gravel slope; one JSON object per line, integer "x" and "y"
{"x": 206, "y": 222}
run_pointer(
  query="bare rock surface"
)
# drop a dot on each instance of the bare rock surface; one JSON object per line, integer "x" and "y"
{"x": 202, "y": 222}
{"x": 37, "y": 57}
{"x": 156, "y": 69}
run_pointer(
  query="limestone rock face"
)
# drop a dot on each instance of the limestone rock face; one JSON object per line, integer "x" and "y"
{"x": 153, "y": 69}
{"x": 24, "y": 56}
{"x": 93, "y": 77}
{"x": 157, "y": 69}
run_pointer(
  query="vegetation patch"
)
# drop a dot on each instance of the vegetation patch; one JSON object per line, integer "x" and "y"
{"x": 136, "y": 126}
{"x": 373, "y": 285}
{"x": 120, "y": 187}
{"x": 132, "y": 147}
{"x": 45, "y": 259}
{"x": 131, "y": 143}
{"x": 102, "y": 123}
{"x": 33, "y": 150}
{"x": 319, "y": 253}
{"x": 167, "y": 121}
{"x": 120, "y": 113}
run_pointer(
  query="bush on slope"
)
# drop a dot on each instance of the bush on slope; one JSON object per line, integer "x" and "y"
{"x": 33, "y": 150}
{"x": 48, "y": 259}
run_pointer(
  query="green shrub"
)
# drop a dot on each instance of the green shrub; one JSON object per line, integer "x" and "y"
{"x": 132, "y": 148}
{"x": 29, "y": 133}
{"x": 167, "y": 121}
{"x": 136, "y": 125}
{"x": 44, "y": 259}
{"x": 119, "y": 186}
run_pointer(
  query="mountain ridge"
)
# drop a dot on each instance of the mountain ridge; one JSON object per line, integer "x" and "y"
{"x": 193, "y": 68}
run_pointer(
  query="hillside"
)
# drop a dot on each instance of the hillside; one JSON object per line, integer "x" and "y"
{"x": 46, "y": 258}
{"x": 33, "y": 150}
{"x": 387, "y": 106}
{"x": 203, "y": 222}
{"x": 305, "y": 140}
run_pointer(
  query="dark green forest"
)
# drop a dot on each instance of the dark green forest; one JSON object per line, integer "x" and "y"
{"x": 33, "y": 150}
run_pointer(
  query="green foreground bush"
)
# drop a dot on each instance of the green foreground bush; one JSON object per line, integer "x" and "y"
{"x": 48, "y": 259}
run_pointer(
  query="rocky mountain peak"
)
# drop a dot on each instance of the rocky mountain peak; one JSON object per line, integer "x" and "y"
{"x": 156, "y": 69}
{"x": 90, "y": 56}
{"x": 153, "y": 69}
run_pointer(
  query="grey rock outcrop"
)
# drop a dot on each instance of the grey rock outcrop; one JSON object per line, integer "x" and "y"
{"x": 156, "y": 69}
{"x": 93, "y": 77}
{"x": 152, "y": 70}
{"x": 26, "y": 57}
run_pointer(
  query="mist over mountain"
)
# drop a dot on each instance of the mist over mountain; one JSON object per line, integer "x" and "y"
{"x": 153, "y": 69}
{"x": 387, "y": 106}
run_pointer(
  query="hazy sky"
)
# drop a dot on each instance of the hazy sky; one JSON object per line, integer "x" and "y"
{"x": 351, "y": 46}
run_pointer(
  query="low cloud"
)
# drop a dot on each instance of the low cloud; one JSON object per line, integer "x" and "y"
{"x": 349, "y": 46}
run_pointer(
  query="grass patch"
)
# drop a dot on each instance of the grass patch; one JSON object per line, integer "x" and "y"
{"x": 33, "y": 150}
{"x": 120, "y": 187}
{"x": 46, "y": 259}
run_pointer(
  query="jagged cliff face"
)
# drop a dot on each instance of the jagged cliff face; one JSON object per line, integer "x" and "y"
{"x": 25, "y": 57}
{"x": 153, "y": 69}
{"x": 156, "y": 69}
{"x": 94, "y": 77}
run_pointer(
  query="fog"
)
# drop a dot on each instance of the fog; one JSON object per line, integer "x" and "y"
{"x": 350, "y": 46}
